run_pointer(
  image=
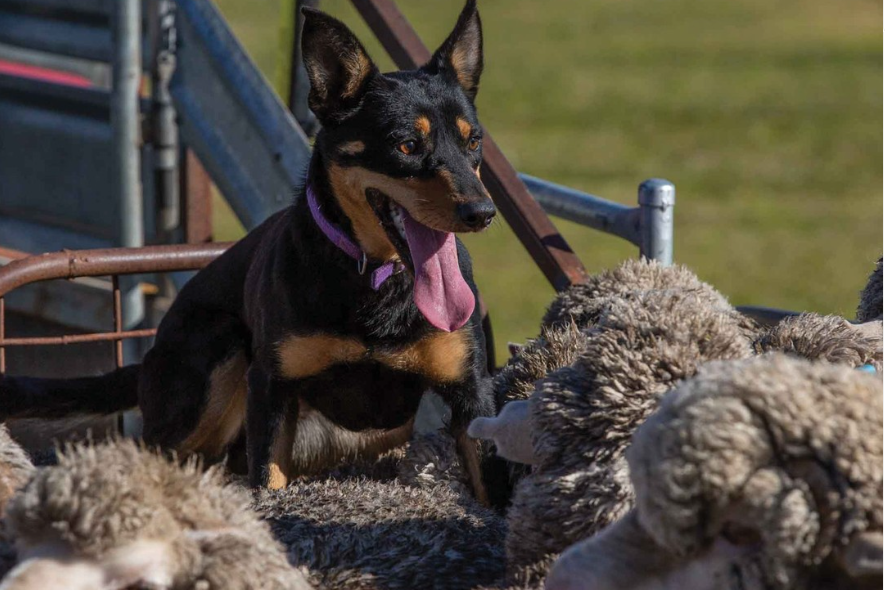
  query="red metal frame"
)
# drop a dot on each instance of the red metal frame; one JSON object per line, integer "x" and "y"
{"x": 113, "y": 262}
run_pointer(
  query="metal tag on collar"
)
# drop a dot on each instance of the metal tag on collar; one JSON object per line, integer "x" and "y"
{"x": 362, "y": 263}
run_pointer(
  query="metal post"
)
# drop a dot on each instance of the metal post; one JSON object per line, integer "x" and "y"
{"x": 164, "y": 135}
{"x": 126, "y": 68}
{"x": 657, "y": 197}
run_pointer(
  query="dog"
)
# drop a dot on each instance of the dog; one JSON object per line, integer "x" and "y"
{"x": 314, "y": 337}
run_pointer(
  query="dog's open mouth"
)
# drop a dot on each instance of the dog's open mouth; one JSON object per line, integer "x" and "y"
{"x": 392, "y": 218}
{"x": 441, "y": 293}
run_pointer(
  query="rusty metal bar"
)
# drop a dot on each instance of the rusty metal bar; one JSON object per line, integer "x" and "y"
{"x": 78, "y": 338}
{"x": 2, "y": 336}
{"x": 118, "y": 321}
{"x": 108, "y": 261}
{"x": 89, "y": 263}
{"x": 10, "y": 254}
{"x": 534, "y": 229}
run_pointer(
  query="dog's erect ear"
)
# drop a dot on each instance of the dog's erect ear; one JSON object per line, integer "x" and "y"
{"x": 460, "y": 56}
{"x": 337, "y": 65}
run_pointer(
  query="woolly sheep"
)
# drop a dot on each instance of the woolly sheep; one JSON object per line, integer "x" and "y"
{"x": 584, "y": 414}
{"x": 870, "y": 307}
{"x": 115, "y": 515}
{"x": 15, "y": 467}
{"x": 825, "y": 338}
{"x": 513, "y": 385}
{"x": 562, "y": 339}
{"x": 764, "y": 473}
{"x": 583, "y": 303}
{"x": 15, "y": 471}
{"x": 351, "y": 532}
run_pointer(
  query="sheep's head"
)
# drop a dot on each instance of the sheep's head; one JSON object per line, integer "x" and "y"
{"x": 765, "y": 473}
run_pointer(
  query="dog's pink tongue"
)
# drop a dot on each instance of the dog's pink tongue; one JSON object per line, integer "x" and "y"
{"x": 441, "y": 293}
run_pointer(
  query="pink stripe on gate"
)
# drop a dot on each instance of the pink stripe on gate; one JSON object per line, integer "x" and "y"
{"x": 44, "y": 74}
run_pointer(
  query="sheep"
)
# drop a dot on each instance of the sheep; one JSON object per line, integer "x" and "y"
{"x": 355, "y": 533}
{"x": 15, "y": 467}
{"x": 870, "y": 307}
{"x": 582, "y": 303}
{"x": 583, "y": 415}
{"x": 762, "y": 473}
{"x": 432, "y": 459}
{"x": 556, "y": 347}
{"x": 563, "y": 337}
{"x": 116, "y": 515}
{"x": 825, "y": 338}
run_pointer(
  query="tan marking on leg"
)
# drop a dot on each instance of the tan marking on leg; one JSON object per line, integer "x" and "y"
{"x": 464, "y": 128}
{"x": 225, "y": 410}
{"x": 280, "y": 466}
{"x": 352, "y": 148}
{"x": 442, "y": 356}
{"x": 276, "y": 480}
{"x": 468, "y": 450}
{"x": 422, "y": 125}
{"x": 303, "y": 356}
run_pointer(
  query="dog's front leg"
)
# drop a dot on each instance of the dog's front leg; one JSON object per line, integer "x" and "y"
{"x": 468, "y": 400}
{"x": 270, "y": 430}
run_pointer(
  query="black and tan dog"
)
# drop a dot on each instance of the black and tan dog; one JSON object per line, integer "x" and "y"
{"x": 321, "y": 329}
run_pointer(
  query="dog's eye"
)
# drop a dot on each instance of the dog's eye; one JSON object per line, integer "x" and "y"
{"x": 407, "y": 147}
{"x": 473, "y": 144}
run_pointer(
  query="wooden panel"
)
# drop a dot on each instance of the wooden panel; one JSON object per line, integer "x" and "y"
{"x": 197, "y": 191}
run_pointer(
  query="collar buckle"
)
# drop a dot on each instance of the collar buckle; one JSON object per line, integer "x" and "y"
{"x": 362, "y": 263}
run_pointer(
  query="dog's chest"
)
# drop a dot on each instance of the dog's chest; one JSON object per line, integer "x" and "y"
{"x": 440, "y": 357}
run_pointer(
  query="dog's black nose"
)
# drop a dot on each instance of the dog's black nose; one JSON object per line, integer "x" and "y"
{"x": 477, "y": 215}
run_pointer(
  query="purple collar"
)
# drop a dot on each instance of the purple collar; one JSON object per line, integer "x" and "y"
{"x": 346, "y": 245}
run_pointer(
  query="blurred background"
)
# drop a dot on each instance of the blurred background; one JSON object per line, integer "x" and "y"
{"x": 767, "y": 116}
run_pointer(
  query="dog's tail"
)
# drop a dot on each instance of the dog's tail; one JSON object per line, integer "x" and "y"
{"x": 32, "y": 397}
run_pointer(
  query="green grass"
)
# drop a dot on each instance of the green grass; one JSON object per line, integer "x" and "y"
{"x": 766, "y": 115}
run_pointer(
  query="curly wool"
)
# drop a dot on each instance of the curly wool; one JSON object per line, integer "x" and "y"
{"x": 431, "y": 460}
{"x": 15, "y": 467}
{"x": 583, "y": 303}
{"x": 361, "y": 534}
{"x": 789, "y": 448}
{"x": 102, "y": 498}
{"x": 584, "y": 414}
{"x": 870, "y": 307}
{"x": 825, "y": 338}
{"x": 555, "y": 348}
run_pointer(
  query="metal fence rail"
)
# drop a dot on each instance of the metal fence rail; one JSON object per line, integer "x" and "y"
{"x": 113, "y": 262}
{"x": 649, "y": 226}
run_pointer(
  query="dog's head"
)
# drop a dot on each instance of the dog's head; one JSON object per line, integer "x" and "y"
{"x": 401, "y": 149}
